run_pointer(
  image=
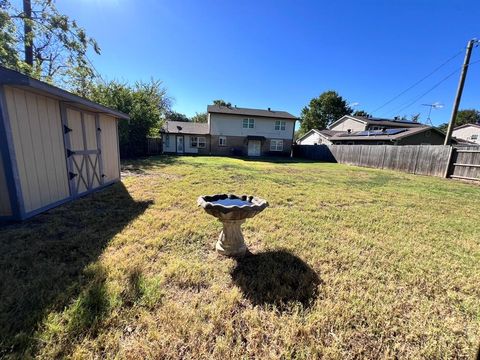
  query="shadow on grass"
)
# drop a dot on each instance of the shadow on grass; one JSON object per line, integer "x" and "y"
{"x": 46, "y": 263}
{"x": 276, "y": 278}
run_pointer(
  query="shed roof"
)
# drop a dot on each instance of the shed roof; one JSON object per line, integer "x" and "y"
{"x": 185, "y": 127}
{"x": 15, "y": 78}
{"x": 250, "y": 112}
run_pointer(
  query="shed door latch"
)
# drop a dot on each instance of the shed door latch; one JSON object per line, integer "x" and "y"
{"x": 71, "y": 175}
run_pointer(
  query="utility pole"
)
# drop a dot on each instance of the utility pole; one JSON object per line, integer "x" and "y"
{"x": 458, "y": 97}
{"x": 27, "y": 28}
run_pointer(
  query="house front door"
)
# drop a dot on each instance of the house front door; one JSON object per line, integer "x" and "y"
{"x": 254, "y": 147}
{"x": 180, "y": 148}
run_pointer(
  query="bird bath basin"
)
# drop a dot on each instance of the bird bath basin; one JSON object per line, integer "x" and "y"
{"x": 232, "y": 211}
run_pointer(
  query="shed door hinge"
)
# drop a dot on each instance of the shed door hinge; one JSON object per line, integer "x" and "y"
{"x": 71, "y": 175}
{"x": 99, "y": 129}
{"x": 70, "y": 152}
{"x": 66, "y": 129}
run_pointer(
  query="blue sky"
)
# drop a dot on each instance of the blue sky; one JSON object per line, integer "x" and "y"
{"x": 280, "y": 54}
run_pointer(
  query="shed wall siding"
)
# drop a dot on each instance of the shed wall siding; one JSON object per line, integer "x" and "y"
{"x": 110, "y": 158}
{"x": 5, "y": 209}
{"x": 38, "y": 142}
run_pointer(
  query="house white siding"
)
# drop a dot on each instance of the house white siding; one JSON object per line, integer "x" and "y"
{"x": 232, "y": 125}
{"x": 168, "y": 142}
{"x": 314, "y": 139}
{"x": 470, "y": 133}
{"x": 351, "y": 124}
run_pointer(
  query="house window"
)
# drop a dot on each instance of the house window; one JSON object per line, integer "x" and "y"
{"x": 280, "y": 125}
{"x": 222, "y": 141}
{"x": 248, "y": 123}
{"x": 276, "y": 145}
{"x": 167, "y": 140}
{"x": 474, "y": 137}
{"x": 198, "y": 142}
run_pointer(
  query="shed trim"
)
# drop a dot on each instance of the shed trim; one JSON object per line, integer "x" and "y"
{"x": 7, "y": 148}
{"x": 15, "y": 78}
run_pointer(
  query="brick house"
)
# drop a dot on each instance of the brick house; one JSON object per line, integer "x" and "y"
{"x": 233, "y": 131}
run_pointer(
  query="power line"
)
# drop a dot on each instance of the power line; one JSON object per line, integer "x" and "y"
{"x": 427, "y": 92}
{"x": 431, "y": 89}
{"x": 419, "y": 81}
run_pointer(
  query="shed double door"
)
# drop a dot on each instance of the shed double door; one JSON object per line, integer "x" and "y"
{"x": 82, "y": 138}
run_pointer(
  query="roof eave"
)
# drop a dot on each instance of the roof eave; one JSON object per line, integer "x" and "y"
{"x": 14, "y": 78}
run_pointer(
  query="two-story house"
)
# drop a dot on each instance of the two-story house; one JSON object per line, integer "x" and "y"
{"x": 252, "y": 132}
{"x": 232, "y": 131}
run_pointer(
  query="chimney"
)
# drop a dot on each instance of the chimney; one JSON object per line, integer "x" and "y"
{"x": 269, "y": 109}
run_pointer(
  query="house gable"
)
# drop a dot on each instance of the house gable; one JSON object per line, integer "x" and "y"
{"x": 346, "y": 123}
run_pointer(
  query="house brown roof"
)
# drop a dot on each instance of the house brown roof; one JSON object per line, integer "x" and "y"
{"x": 233, "y": 110}
{"x": 381, "y": 121}
{"x": 185, "y": 127}
{"x": 467, "y": 125}
{"x": 375, "y": 136}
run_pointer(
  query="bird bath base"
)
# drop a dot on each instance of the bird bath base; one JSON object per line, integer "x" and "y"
{"x": 231, "y": 241}
{"x": 232, "y": 211}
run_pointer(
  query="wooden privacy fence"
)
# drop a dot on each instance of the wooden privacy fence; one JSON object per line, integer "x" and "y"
{"x": 154, "y": 146}
{"x": 465, "y": 163}
{"x": 431, "y": 160}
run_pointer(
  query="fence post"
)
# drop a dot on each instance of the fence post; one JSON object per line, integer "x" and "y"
{"x": 450, "y": 157}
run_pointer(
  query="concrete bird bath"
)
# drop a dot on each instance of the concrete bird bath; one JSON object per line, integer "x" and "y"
{"x": 232, "y": 211}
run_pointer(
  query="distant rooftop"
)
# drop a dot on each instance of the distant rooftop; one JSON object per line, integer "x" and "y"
{"x": 233, "y": 110}
{"x": 387, "y": 134}
{"x": 185, "y": 127}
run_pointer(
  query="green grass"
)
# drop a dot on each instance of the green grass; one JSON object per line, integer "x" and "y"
{"x": 347, "y": 263}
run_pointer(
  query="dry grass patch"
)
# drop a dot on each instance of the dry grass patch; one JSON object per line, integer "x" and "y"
{"x": 346, "y": 263}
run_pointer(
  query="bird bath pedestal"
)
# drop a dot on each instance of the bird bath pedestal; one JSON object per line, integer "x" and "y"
{"x": 232, "y": 211}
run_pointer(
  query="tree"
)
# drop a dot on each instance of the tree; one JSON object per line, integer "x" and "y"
{"x": 361, "y": 113}
{"x": 145, "y": 103}
{"x": 43, "y": 43}
{"x": 200, "y": 117}
{"x": 176, "y": 116}
{"x": 466, "y": 116}
{"x": 323, "y": 110}
{"x": 221, "y": 102}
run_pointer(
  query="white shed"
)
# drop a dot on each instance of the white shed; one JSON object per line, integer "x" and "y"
{"x": 55, "y": 146}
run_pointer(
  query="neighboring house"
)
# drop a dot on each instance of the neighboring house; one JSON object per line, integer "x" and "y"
{"x": 317, "y": 137}
{"x": 185, "y": 137}
{"x": 252, "y": 132}
{"x": 359, "y": 123}
{"x": 357, "y": 130}
{"x": 419, "y": 135}
{"x": 468, "y": 132}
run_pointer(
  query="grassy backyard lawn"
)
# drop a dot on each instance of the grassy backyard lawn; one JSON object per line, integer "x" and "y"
{"x": 347, "y": 263}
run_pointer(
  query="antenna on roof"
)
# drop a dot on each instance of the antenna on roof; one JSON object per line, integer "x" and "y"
{"x": 435, "y": 105}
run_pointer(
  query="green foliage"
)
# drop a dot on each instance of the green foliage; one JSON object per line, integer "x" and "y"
{"x": 466, "y": 116}
{"x": 176, "y": 116}
{"x": 323, "y": 110}
{"x": 362, "y": 113}
{"x": 145, "y": 103}
{"x": 58, "y": 44}
{"x": 221, "y": 102}
{"x": 200, "y": 117}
